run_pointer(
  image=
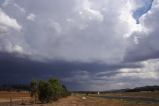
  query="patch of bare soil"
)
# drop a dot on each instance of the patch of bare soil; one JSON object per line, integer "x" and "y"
{"x": 79, "y": 100}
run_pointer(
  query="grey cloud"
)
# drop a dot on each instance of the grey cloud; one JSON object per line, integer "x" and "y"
{"x": 53, "y": 36}
{"x": 148, "y": 42}
{"x": 80, "y": 41}
{"x": 74, "y": 73}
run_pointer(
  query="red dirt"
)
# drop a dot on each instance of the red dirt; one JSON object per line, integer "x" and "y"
{"x": 6, "y": 95}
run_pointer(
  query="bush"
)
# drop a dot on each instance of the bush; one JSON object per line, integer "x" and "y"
{"x": 44, "y": 92}
{"x": 48, "y": 91}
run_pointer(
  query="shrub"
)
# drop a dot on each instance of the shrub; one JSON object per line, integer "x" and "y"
{"x": 48, "y": 91}
{"x": 44, "y": 92}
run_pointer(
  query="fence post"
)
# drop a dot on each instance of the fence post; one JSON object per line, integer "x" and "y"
{"x": 22, "y": 101}
{"x": 10, "y": 101}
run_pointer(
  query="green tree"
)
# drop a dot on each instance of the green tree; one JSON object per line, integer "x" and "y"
{"x": 45, "y": 92}
{"x": 57, "y": 88}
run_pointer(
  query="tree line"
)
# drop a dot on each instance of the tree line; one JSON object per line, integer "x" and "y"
{"x": 14, "y": 87}
{"x": 47, "y": 91}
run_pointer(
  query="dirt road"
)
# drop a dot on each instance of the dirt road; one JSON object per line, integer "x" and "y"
{"x": 79, "y": 100}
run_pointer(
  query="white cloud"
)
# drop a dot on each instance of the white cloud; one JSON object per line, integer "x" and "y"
{"x": 8, "y": 3}
{"x": 84, "y": 31}
{"x": 86, "y": 12}
{"x": 148, "y": 71}
{"x": 127, "y": 18}
{"x": 20, "y": 8}
{"x": 90, "y": 31}
{"x": 97, "y": 35}
{"x": 31, "y": 17}
{"x": 147, "y": 47}
{"x": 14, "y": 49}
{"x": 8, "y": 22}
{"x": 55, "y": 27}
{"x": 11, "y": 47}
{"x": 17, "y": 49}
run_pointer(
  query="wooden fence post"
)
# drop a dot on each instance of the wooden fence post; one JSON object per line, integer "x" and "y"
{"x": 10, "y": 101}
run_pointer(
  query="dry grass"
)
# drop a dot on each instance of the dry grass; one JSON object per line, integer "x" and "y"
{"x": 7, "y": 98}
{"x": 76, "y": 100}
{"x": 5, "y": 94}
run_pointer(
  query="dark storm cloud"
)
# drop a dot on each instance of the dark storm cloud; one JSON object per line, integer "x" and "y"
{"x": 137, "y": 57}
{"x": 21, "y": 69}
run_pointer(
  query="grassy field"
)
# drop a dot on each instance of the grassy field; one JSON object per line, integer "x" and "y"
{"x": 82, "y": 100}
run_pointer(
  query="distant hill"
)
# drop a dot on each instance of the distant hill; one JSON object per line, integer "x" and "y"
{"x": 137, "y": 89}
{"x": 145, "y": 88}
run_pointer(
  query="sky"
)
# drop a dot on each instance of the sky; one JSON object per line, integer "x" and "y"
{"x": 87, "y": 44}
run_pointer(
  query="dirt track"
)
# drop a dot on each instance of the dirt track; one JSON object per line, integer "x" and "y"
{"x": 69, "y": 101}
{"x": 78, "y": 100}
